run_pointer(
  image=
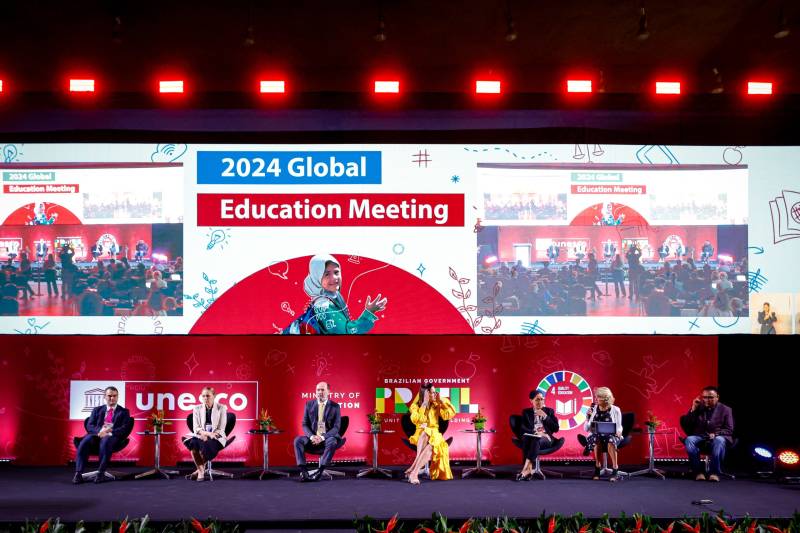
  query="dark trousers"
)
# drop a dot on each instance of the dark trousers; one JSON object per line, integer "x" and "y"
{"x": 90, "y": 442}
{"x": 324, "y": 450}
{"x": 530, "y": 447}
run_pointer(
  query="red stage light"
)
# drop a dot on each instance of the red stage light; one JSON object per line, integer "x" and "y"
{"x": 668, "y": 87}
{"x": 579, "y": 86}
{"x": 272, "y": 86}
{"x": 170, "y": 86}
{"x": 788, "y": 457}
{"x": 81, "y": 86}
{"x": 759, "y": 87}
{"x": 487, "y": 87}
{"x": 387, "y": 87}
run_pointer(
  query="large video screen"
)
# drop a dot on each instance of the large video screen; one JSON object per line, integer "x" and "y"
{"x": 399, "y": 239}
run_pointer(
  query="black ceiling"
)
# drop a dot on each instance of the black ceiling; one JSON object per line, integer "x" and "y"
{"x": 435, "y": 46}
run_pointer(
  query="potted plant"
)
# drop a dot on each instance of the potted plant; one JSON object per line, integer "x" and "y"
{"x": 652, "y": 422}
{"x": 479, "y": 421}
{"x": 265, "y": 421}
{"x": 375, "y": 420}
{"x": 156, "y": 420}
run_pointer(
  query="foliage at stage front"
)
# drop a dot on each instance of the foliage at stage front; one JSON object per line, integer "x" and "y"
{"x": 140, "y": 525}
{"x": 637, "y": 523}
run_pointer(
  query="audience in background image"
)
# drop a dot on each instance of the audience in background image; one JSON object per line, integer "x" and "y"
{"x": 524, "y": 207}
{"x": 106, "y": 287}
{"x": 674, "y": 288}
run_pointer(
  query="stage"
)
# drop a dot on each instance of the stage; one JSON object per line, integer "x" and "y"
{"x": 42, "y": 492}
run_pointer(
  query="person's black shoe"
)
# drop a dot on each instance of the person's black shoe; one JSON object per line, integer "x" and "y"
{"x": 101, "y": 478}
{"x": 304, "y": 477}
{"x": 318, "y": 474}
{"x": 520, "y": 477}
{"x": 77, "y": 479}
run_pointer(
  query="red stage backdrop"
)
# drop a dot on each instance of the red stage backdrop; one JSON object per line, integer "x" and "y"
{"x": 50, "y": 383}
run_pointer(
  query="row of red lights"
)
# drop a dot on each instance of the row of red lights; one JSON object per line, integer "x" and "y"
{"x": 393, "y": 86}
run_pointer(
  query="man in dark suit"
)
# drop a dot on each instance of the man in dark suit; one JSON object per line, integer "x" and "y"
{"x": 107, "y": 424}
{"x": 709, "y": 428}
{"x": 321, "y": 421}
{"x": 540, "y": 421}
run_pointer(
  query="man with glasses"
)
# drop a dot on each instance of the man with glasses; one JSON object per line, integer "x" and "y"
{"x": 709, "y": 429}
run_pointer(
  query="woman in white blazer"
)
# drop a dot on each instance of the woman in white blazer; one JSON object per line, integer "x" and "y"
{"x": 208, "y": 422}
{"x": 606, "y": 411}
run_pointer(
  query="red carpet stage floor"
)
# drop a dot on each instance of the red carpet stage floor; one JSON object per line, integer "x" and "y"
{"x": 42, "y": 492}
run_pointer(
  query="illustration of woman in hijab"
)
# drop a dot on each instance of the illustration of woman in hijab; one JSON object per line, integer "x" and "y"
{"x": 40, "y": 217}
{"x": 328, "y": 313}
{"x": 608, "y": 216}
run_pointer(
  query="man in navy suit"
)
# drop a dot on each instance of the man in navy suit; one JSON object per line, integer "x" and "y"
{"x": 321, "y": 421}
{"x": 107, "y": 424}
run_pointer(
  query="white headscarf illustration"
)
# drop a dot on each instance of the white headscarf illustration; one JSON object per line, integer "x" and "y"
{"x": 316, "y": 269}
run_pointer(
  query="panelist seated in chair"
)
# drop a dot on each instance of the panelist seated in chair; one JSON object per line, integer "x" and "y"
{"x": 604, "y": 422}
{"x": 321, "y": 424}
{"x": 538, "y": 424}
{"x": 107, "y": 424}
{"x": 426, "y": 411}
{"x": 208, "y": 431}
{"x": 709, "y": 428}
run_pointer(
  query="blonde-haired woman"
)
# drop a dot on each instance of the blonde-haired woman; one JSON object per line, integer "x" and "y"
{"x": 208, "y": 425}
{"x": 605, "y": 411}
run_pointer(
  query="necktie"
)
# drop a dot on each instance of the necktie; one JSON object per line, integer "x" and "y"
{"x": 110, "y": 416}
{"x": 320, "y": 419}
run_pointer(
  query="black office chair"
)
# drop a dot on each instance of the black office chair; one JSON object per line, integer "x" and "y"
{"x": 95, "y": 450}
{"x": 628, "y": 419}
{"x": 230, "y": 423}
{"x": 344, "y": 423}
{"x": 515, "y": 421}
{"x": 705, "y": 455}
{"x": 409, "y": 428}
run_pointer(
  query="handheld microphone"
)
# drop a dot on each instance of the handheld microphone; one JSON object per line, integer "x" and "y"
{"x": 591, "y": 408}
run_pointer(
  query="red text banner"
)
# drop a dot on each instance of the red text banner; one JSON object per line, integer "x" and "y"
{"x": 330, "y": 210}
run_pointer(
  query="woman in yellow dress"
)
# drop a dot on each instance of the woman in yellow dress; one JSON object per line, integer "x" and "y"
{"x": 426, "y": 411}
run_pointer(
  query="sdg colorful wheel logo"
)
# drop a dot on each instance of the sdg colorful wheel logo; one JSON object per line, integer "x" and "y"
{"x": 569, "y": 395}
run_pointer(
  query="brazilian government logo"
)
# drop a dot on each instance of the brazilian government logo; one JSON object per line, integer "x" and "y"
{"x": 395, "y": 401}
{"x": 569, "y": 395}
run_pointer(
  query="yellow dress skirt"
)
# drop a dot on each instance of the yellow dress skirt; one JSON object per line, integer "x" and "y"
{"x": 440, "y": 460}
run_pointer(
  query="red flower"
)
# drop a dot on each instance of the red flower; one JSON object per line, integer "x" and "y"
{"x": 775, "y": 529}
{"x": 423, "y": 530}
{"x": 464, "y": 528}
{"x": 725, "y": 527}
{"x": 199, "y": 527}
{"x": 608, "y": 530}
{"x": 44, "y": 527}
{"x": 638, "y": 528}
{"x": 552, "y": 525}
{"x": 389, "y": 526}
{"x": 752, "y": 527}
{"x": 584, "y": 528}
{"x": 123, "y": 527}
{"x": 687, "y": 527}
{"x": 669, "y": 527}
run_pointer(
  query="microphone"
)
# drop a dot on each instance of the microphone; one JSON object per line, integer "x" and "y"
{"x": 591, "y": 409}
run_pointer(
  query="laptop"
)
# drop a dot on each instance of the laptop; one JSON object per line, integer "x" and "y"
{"x": 605, "y": 428}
